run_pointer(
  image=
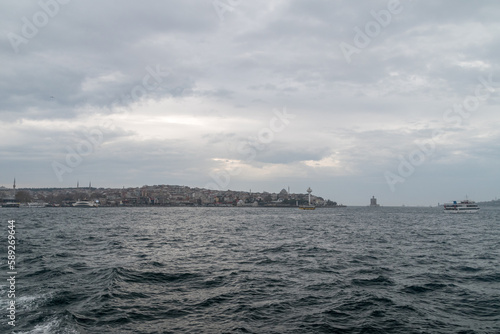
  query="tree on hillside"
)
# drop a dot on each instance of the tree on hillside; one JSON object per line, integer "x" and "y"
{"x": 23, "y": 196}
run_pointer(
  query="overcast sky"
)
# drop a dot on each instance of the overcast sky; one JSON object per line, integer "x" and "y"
{"x": 399, "y": 100}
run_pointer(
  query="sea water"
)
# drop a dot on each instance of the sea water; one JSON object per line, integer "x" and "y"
{"x": 251, "y": 270}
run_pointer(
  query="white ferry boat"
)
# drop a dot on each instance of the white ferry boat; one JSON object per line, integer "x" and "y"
{"x": 37, "y": 205}
{"x": 10, "y": 203}
{"x": 84, "y": 204}
{"x": 465, "y": 206}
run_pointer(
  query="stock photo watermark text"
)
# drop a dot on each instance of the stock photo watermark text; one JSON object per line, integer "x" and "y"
{"x": 223, "y": 6}
{"x": 94, "y": 137}
{"x": 453, "y": 116}
{"x": 31, "y": 27}
{"x": 11, "y": 273}
{"x": 372, "y": 29}
{"x": 251, "y": 147}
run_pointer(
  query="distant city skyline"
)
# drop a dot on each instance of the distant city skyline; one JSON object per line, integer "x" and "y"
{"x": 369, "y": 201}
{"x": 393, "y": 99}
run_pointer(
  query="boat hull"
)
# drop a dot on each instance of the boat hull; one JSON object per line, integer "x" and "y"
{"x": 461, "y": 211}
{"x": 84, "y": 204}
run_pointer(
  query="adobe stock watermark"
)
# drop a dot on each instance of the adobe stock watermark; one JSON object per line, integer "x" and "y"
{"x": 251, "y": 147}
{"x": 94, "y": 137}
{"x": 223, "y": 6}
{"x": 31, "y": 27}
{"x": 74, "y": 156}
{"x": 150, "y": 82}
{"x": 453, "y": 116}
{"x": 372, "y": 29}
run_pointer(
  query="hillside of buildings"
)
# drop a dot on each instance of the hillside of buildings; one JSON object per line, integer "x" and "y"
{"x": 159, "y": 195}
{"x": 495, "y": 202}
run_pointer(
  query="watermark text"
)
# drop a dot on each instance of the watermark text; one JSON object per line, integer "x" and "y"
{"x": 11, "y": 262}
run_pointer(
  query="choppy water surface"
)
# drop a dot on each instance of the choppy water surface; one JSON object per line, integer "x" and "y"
{"x": 239, "y": 270}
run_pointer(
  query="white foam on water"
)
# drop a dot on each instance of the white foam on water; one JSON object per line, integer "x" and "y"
{"x": 50, "y": 327}
{"x": 45, "y": 328}
{"x": 29, "y": 303}
{"x": 4, "y": 301}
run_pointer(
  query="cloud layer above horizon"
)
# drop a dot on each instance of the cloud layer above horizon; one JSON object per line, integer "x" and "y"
{"x": 397, "y": 99}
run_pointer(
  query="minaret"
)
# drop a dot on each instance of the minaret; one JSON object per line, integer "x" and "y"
{"x": 77, "y": 184}
{"x": 309, "y": 190}
{"x": 14, "y": 185}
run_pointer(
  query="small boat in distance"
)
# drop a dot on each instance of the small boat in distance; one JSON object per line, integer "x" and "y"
{"x": 10, "y": 203}
{"x": 464, "y": 206}
{"x": 84, "y": 204}
{"x": 37, "y": 205}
